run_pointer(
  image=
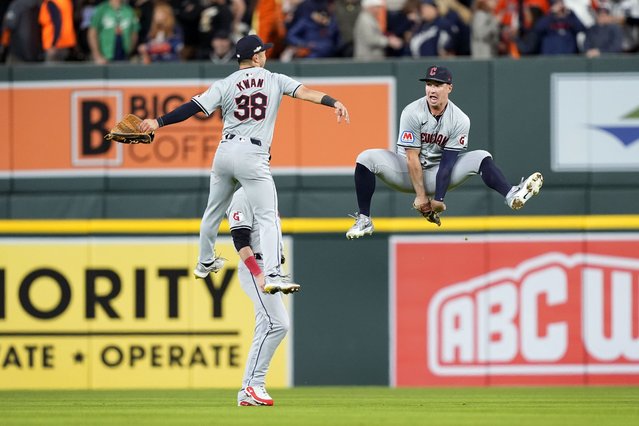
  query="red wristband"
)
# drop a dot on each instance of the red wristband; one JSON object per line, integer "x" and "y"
{"x": 252, "y": 266}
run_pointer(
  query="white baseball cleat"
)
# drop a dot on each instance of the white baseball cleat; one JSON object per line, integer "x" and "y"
{"x": 258, "y": 395}
{"x": 244, "y": 400}
{"x": 520, "y": 194}
{"x": 203, "y": 270}
{"x": 363, "y": 226}
{"x": 276, "y": 284}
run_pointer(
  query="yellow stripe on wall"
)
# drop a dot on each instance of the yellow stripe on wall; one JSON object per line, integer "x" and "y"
{"x": 328, "y": 225}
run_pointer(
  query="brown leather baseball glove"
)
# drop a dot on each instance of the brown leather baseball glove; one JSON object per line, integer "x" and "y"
{"x": 128, "y": 131}
{"x": 429, "y": 214}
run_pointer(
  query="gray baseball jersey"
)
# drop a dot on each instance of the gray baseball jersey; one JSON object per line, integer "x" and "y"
{"x": 250, "y": 99}
{"x": 271, "y": 319}
{"x": 240, "y": 216}
{"x": 419, "y": 128}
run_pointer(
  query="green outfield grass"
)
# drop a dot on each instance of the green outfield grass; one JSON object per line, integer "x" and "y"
{"x": 536, "y": 406}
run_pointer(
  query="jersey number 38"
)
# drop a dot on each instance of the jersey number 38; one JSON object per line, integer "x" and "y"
{"x": 253, "y": 106}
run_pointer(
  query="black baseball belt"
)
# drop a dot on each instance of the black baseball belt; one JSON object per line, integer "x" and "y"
{"x": 230, "y": 136}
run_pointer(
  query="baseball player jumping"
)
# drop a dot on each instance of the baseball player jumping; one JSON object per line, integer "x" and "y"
{"x": 249, "y": 99}
{"x": 271, "y": 318}
{"x": 431, "y": 158}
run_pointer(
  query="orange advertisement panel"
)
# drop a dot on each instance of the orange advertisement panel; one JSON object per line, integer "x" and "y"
{"x": 307, "y": 137}
{"x": 515, "y": 310}
{"x": 5, "y": 117}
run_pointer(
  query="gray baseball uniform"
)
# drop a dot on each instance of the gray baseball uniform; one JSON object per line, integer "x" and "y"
{"x": 271, "y": 318}
{"x": 439, "y": 143}
{"x": 249, "y": 99}
{"x": 418, "y": 128}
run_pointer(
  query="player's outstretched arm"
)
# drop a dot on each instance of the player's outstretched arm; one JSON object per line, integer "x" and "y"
{"x": 149, "y": 125}
{"x": 179, "y": 114}
{"x": 317, "y": 97}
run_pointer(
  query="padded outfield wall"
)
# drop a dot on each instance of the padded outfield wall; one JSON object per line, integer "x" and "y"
{"x": 469, "y": 303}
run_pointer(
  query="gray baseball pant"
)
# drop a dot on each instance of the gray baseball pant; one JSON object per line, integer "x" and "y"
{"x": 271, "y": 325}
{"x": 392, "y": 169}
{"x": 239, "y": 160}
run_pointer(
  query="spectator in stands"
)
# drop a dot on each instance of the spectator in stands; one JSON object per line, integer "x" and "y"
{"x": 584, "y": 9}
{"x": 368, "y": 40}
{"x": 21, "y": 35}
{"x": 84, "y": 11}
{"x": 3, "y": 9}
{"x": 113, "y": 34}
{"x": 187, "y": 13}
{"x": 458, "y": 17}
{"x": 269, "y": 23}
{"x": 222, "y": 48}
{"x": 346, "y": 12}
{"x": 606, "y": 36}
{"x": 238, "y": 26}
{"x": 58, "y": 32}
{"x": 315, "y": 36}
{"x": 216, "y": 16}
{"x": 484, "y": 30}
{"x": 432, "y": 36}
{"x": 626, "y": 13}
{"x": 517, "y": 21}
{"x": 557, "y": 31}
{"x": 394, "y": 7}
{"x": 302, "y": 9}
{"x": 144, "y": 11}
{"x": 164, "y": 41}
{"x": 403, "y": 23}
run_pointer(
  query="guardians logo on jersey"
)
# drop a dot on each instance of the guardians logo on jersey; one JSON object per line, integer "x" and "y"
{"x": 436, "y": 138}
{"x": 237, "y": 216}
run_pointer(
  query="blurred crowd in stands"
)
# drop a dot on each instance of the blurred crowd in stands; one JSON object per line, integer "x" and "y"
{"x": 147, "y": 31}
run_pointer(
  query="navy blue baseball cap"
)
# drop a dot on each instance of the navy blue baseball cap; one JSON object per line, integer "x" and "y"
{"x": 248, "y": 46}
{"x": 440, "y": 74}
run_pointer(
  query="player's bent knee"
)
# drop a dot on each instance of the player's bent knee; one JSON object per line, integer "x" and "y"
{"x": 368, "y": 158}
{"x": 483, "y": 153}
{"x": 475, "y": 159}
{"x": 364, "y": 159}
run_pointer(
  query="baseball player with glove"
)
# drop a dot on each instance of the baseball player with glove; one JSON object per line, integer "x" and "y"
{"x": 271, "y": 318}
{"x": 128, "y": 131}
{"x": 432, "y": 157}
{"x": 249, "y": 99}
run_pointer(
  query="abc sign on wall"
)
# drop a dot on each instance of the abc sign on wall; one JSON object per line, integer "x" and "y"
{"x": 527, "y": 309}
